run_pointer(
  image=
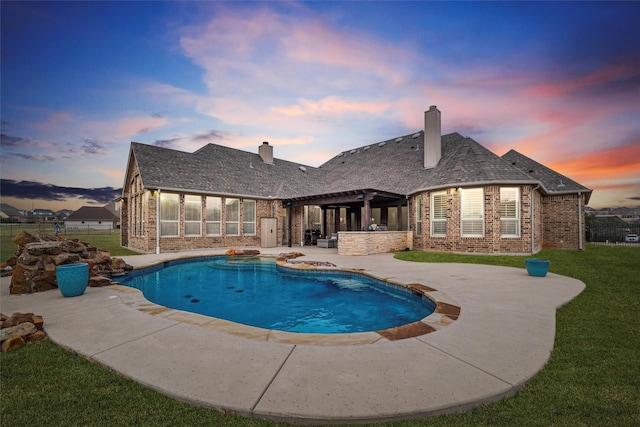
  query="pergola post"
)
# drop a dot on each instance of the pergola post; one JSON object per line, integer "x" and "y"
{"x": 367, "y": 214}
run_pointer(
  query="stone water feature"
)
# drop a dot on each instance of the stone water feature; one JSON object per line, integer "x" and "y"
{"x": 33, "y": 269}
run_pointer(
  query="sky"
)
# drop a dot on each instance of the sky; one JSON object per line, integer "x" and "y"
{"x": 557, "y": 81}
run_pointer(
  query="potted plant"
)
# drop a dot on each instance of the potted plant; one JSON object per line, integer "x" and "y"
{"x": 537, "y": 267}
{"x": 72, "y": 279}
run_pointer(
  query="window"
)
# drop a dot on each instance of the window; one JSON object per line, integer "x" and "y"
{"x": 419, "y": 215}
{"x": 472, "y": 212}
{"x": 232, "y": 219}
{"x": 439, "y": 214}
{"x": 249, "y": 217}
{"x": 510, "y": 212}
{"x": 169, "y": 214}
{"x": 192, "y": 215}
{"x": 214, "y": 216}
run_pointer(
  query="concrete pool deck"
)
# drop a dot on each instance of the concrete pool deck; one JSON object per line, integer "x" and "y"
{"x": 502, "y": 338}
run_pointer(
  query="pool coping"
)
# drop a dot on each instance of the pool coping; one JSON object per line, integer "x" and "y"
{"x": 446, "y": 311}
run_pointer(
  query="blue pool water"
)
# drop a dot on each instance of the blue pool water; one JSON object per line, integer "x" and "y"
{"x": 254, "y": 291}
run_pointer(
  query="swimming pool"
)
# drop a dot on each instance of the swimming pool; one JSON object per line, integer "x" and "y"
{"x": 256, "y": 292}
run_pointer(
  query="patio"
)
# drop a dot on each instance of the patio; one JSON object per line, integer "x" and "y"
{"x": 504, "y": 336}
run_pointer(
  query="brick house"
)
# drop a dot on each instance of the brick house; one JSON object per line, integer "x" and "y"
{"x": 423, "y": 190}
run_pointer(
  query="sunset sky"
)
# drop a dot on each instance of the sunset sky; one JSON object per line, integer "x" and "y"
{"x": 558, "y": 82}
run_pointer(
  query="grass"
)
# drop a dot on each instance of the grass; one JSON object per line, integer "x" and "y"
{"x": 104, "y": 239}
{"x": 592, "y": 379}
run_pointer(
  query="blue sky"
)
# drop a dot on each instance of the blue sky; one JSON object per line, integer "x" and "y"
{"x": 559, "y": 82}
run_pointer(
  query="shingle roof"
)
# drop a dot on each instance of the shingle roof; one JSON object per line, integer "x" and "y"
{"x": 397, "y": 165}
{"x": 551, "y": 181}
{"x": 394, "y": 166}
{"x": 92, "y": 213}
{"x": 9, "y": 210}
{"x": 223, "y": 170}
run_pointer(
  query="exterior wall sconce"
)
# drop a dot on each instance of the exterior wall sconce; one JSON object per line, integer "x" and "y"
{"x": 360, "y": 196}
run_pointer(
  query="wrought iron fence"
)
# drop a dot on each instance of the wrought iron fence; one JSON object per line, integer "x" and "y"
{"x": 610, "y": 232}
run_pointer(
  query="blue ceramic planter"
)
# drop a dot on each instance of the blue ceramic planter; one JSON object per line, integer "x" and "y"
{"x": 537, "y": 267}
{"x": 72, "y": 279}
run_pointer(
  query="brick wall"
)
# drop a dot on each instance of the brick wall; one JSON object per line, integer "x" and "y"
{"x": 561, "y": 218}
{"x": 491, "y": 242}
{"x": 147, "y": 242}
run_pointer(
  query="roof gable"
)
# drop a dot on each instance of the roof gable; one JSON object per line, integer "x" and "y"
{"x": 552, "y": 181}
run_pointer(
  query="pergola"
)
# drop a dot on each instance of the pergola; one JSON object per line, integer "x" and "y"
{"x": 353, "y": 201}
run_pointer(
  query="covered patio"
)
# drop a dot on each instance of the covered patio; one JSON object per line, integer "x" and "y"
{"x": 348, "y": 214}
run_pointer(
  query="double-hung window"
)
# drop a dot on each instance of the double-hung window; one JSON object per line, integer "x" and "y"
{"x": 169, "y": 214}
{"x": 214, "y": 216}
{"x": 192, "y": 215}
{"x": 439, "y": 214}
{"x": 232, "y": 217}
{"x": 248, "y": 217}
{"x": 509, "y": 212}
{"x": 472, "y": 212}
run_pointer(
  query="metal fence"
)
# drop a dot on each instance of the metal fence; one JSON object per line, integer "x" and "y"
{"x": 11, "y": 229}
{"x": 610, "y": 232}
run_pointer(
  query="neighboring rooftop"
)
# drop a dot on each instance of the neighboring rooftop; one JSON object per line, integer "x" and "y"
{"x": 92, "y": 213}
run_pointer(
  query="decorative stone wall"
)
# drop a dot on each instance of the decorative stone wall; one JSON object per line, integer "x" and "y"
{"x": 373, "y": 242}
{"x": 33, "y": 269}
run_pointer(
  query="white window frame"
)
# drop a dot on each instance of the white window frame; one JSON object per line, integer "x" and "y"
{"x": 509, "y": 212}
{"x": 214, "y": 216}
{"x": 169, "y": 218}
{"x": 472, "y": 212}
{"x": 192, "y": 225}
{"x": 438, "y": 214}
{"x": 231, "y": 217}
{"x": 249, "y": 223}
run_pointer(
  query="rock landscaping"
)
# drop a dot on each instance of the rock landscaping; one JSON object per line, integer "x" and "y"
{"x": 20, "y": 329}
{"x": 33, "y": 269}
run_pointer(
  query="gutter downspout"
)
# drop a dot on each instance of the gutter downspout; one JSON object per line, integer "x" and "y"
{"x": 580, "y": 221}
{"x": 158, "y": 222}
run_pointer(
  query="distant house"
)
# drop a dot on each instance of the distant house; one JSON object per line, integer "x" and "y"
{"x": 114, "y": 207}
{"x": 41, "y": 215}
{"x": 97, "y": 218}
{"x": 423, "y": 190}
{"x": 9, "y": 214}
{"x": 61, "y": 215}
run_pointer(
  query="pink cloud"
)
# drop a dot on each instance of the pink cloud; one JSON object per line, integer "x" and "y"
{"x": 333, "y": 105}
{"x": 617, "y": 72}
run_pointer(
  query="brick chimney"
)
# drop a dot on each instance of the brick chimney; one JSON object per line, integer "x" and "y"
{"x": 432, "y": 137}
{"x": 266, "y": 152}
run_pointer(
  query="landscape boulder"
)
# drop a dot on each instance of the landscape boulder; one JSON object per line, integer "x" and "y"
{"x": 20, "y": 329}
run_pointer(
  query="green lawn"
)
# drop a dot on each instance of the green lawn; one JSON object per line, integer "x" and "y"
{"x": 104, "y": 239}
{"x": 592, "y": 379}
